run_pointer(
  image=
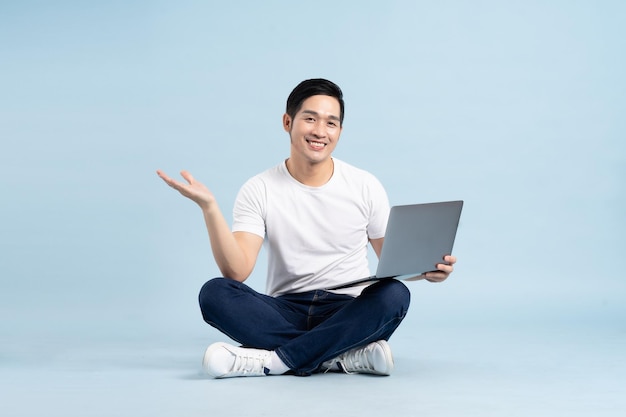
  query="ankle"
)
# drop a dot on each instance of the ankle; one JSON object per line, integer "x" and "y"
{"x": 276, "y": 365}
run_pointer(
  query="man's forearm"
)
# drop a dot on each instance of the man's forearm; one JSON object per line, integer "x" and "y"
{"x": 231, "y": 259}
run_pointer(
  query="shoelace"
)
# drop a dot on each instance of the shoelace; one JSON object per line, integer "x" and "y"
{"x": 328, "y": 365}
{"x": 249, "y": 364}
{"x": 356, "y": 361}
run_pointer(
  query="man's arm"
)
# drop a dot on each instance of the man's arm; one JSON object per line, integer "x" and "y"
{"x": 377, "y": 245}
{"x": 234, "y": 253}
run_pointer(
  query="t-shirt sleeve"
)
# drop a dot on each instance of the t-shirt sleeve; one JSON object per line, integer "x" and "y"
{"x": 249, "y": 209}
{"x": 379, "y": 214}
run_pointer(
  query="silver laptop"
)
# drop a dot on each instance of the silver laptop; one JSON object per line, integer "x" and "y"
{"x": 418, "y": 236}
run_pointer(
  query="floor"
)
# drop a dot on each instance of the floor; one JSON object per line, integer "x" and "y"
{"x": 474, "y": 365}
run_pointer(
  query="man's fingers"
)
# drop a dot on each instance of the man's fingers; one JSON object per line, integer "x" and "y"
{"x": 187, "y": 176}
{"x": 165, "y": 178}
{"x": 445, "y": 268}
{"x": 450, "y": 259}
{"x": 163, "y": 175}
{"x": 435, "y": 276}
{"x": 169, "y": 181}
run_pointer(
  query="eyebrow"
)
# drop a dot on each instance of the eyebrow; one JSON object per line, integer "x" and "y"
{"x": 314, "y": 113}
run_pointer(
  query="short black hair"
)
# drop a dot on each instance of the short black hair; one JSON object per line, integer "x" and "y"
{"x": 313, "y": 87}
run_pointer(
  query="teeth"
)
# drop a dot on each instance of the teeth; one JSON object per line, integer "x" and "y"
{"x": 312, "y": 142}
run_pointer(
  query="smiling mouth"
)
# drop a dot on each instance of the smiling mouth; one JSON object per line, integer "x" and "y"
{"x": 316, "y": 144}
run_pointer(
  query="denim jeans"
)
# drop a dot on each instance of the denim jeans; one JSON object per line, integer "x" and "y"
{"x": 305, "y": 329}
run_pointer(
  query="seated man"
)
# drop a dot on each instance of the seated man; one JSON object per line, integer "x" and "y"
{"x": 316, "y": 214}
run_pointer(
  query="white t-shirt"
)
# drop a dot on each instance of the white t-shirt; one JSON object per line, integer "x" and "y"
{"x": 316, "y": 237}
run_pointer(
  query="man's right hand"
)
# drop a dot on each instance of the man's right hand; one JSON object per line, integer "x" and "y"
{"x": 193, "y": 190}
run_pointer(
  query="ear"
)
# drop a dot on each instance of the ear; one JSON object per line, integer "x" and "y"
{"x": 287, "y": 122}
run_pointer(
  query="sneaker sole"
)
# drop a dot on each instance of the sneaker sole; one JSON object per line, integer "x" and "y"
{"x": 388, "y": 357}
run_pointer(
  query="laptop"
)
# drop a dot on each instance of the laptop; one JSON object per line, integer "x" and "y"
{"x": 418, "y": 236}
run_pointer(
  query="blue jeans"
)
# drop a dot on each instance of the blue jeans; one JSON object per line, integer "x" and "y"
{"x": 305, "y": 329}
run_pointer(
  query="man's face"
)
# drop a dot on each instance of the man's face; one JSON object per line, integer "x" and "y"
{"x": 315, "y": 129}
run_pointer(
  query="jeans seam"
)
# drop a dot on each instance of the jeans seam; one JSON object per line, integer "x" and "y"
{"x": 283, "y": 358}
{"x": 310, "y": 311}
{"x": 214, "y": 325}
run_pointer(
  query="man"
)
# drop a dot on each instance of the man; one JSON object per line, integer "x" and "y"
{"x": 316, "y": 214}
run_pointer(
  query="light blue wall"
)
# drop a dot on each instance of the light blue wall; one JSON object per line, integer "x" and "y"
{"x": 515, "y": 107}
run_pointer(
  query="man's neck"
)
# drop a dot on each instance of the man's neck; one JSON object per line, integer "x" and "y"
{"x": 312, "y": 175}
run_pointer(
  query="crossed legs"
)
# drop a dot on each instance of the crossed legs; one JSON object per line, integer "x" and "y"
{"x": 305, "y": 329}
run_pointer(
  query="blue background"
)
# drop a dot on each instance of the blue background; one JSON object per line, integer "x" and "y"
{"x": 515, "y": 107}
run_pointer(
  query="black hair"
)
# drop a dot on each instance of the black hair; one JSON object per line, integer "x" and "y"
{"x": 313, "y": 87}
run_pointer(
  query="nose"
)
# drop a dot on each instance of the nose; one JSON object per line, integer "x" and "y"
{"x": 319, "y": 129}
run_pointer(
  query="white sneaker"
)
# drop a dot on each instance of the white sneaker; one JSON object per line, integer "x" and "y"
{"x": 374, "y": 358}
{"x": 222, "y": 360}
